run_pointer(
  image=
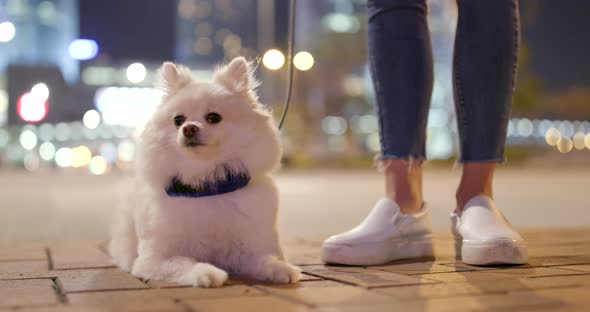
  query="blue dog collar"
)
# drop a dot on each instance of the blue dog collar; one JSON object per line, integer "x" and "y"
{"x": 231, "y": 182}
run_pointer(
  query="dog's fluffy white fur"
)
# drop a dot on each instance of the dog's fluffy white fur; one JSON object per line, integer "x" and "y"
{"x": 198, "y": 241}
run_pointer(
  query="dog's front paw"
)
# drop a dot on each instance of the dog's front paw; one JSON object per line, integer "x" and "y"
{"x": 280, "y": 272}
{"x": 205, "y": 275}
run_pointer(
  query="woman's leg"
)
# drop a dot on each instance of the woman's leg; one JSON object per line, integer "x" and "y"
{"x": 485, "y": 61}
{"x": 486, "y": 50}
{"x": 401, "y": 66}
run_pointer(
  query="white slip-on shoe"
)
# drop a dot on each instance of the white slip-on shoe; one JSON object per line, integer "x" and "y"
{"x": 483, "y": 236}
{"x": 385, "y": 235}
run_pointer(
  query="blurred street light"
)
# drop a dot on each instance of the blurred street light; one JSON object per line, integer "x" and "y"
{"x": 91, "y": 119}
{"x": 303, "y": 61}
{"x": 273, "y": 59}
{"x": 564, "y": 145}
{"x": 83, "y": 49}
{"x": 136, "y": 72}
{"x": 28, "y": 139}
{"x": 7, "y": 31}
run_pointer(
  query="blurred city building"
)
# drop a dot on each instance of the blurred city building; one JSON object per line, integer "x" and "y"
{"x": 67, "y": 103}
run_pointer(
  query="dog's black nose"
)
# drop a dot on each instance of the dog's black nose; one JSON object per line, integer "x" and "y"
{"x": 189, "y": 131}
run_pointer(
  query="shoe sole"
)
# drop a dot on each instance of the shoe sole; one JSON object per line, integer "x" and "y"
{"x": 492, "y": 252}
{"x": 379, "y": 252}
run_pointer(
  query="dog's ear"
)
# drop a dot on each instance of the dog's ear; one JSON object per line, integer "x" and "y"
{"x": 172, "y": 78}
{"x": 237, "y": 76}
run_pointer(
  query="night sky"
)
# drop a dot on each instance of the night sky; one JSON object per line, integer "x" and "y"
{"x": 556, "y": 32}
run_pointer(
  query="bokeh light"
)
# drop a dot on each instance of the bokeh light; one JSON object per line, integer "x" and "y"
{"x": 47, "y": 151}
{"x": 552, "y": 136}
{"x": 91, "y": 119}
{"x": 83, "y": 49}
{"x": 28, "y": 139}
{"x": 273, "y": 59}
{"x": 579, "y": 140}
{"x": 136, "y": 72}
{"x": 31, "y": 107}
{"x": 7, "y": 31}
{"x": 81, "y": 156}
{"x": 98, "y": 165}
{"x": 564, "y": 145}
{"x": 303, "y": 61}
{"x": 63, "y": 157}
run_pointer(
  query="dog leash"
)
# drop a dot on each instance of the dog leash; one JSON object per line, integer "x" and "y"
{"x": 290, "y": 44}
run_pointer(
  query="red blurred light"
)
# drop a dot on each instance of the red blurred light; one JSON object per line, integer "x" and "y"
{"x": 31, "y": 108}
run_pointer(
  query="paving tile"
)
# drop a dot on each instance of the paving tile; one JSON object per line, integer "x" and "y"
{"x": 560, "y": 250}
{"x": 306, "y": 277}
{"x": 163, "y": 284}
{"x": 310, "y": 284}
{"x": 415, "y": 292}
{"x": 574, "y": 295}
{"x": 531, "y": 272}
{"x": 78, "y": 256}
{"x": 303, "y": 253}
{"x": 558, "y": 261}
{"x": 491, "y": 275}
{"x": 98, "y": 279}
{"x": 411, "y": 268}
{"x": 22, "y": 251}
{"x": 148, "y": 295}
{"x": 22, "y": 293}
{"x": 363, "y": 277}
{"x": 500, "y": 302}
{"x": 557, "y": 281}
{"x": 245, "y": 304}
{"x": 578, "y": 267}
{"x": 25, "y": 266}
{"x": 153, "y": 306}
{"x": 331, "y": 295}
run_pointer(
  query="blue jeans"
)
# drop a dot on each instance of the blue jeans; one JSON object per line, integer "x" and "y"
{"x": 484, "y": 70}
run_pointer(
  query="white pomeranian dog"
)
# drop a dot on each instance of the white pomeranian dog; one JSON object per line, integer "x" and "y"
{"x": 204, "y": 203}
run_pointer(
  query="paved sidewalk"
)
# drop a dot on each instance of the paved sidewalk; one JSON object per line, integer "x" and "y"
{"x": 78, "y": 276}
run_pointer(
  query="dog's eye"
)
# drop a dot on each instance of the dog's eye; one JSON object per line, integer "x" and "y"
{"x": 213, "y": 118}
{"x": 179, "y": 120}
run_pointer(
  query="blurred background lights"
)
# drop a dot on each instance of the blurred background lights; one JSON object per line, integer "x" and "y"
{"x": 31, "y": 107}
{"x": 373, "y": 142}
{"x": 81, "y": 156}
{"x": 273, "y": 59}
{"x": 91, "y": 119}
{"x": 7, "y": 31}
{"x": 303, "y": 60}
{"x": 126, "y": 151}
{"x": 108, "y": 151}
{"x": 552, "y": 136}
{"x": 368, "y": 124}
{"x": 28, "y": 139}
{"x": 4, "y": 137}
{"x": 47, "y": 151}
{"x": 525, "y": 128}
{"x": 31, "y": 162}
{"x": 63, "y": 132}
{"x": 341, "y": 23}
{"x": 83, "y": 49}
{"x": 41, "y": 91}
{"x": 578, "y": 140}
{"x": 136, "y": 72}
{"x": 3, "y": 101}
{"x": 587, "y": 141}
{"x": 98, "y": 165}
{"x": 334, "y": 125}
{"x": 564, "y": 145}
{"x": 63, "y": 157}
